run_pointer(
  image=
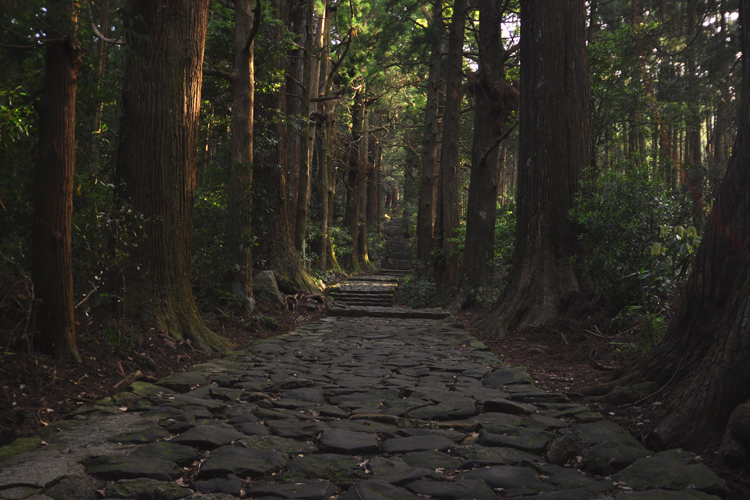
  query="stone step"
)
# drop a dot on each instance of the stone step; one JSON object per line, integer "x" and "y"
{"x": 387, "y": 312}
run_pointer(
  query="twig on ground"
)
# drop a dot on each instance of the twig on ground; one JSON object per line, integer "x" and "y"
{"x": 138, "y": 375}
{"x": 600, "y": 366}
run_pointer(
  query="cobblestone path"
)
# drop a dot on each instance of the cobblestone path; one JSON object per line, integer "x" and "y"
{"x": 354, "y": 406}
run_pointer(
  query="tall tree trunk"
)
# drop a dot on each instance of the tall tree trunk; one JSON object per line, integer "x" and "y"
{"x": 294, "y": 67}
{"x": 53, "y": 204}
{"x": 95, "y": 134}
{"x": 428, "y": 179}
{"x": 323, "y": 149}
{"x": 303, "y": 193}
{"x": 447, "y": 215}
{"x": 362, "y": 191}
{"x": 555, "y": 135}
{"x": 373, "y": 187}
{"x": 270, "y": 187}
{"x": 704, "y": 356}
{"x": 351, "y": 216}
{"x": 494, "y": 101}
{"x": 241, "y": 174}
{"x": 157, "y": 161}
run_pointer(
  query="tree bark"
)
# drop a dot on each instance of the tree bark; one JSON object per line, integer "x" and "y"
{"x": 373, "y": 187}
{"x": 447, "y": 214}
{"x": 95, "y": 134}
{"x": 303, "y": 193}
{"x": 428, "y": 181}
{"x": 351, "y": 216}
{"x": 362, "y": 191}
{"x": 157, "y": 162}
{"x": 241, "y": 174}
{"x": 494, "y": 101}
{"x": 704, "y": 356}
{"x": 272, "y": 224}
{"x": 555, "y": 135}
{"x": 53, "y": 205}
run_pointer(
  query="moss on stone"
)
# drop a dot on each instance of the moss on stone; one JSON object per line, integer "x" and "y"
{"x": 20, "y": 445}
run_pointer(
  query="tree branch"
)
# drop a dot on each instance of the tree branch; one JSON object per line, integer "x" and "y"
{"x": 217, "y": 72}
{"x": 324, "y": 98}
{"x": 98, "y": 33}
{"x": 497, "y": 142}
{"x": 256, "y": 25}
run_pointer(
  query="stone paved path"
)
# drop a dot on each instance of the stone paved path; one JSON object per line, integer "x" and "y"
{"x": 357, "y": 408}
{"x": 361, "y": 408}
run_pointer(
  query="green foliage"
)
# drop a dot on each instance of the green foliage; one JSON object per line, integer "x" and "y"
{"x": 505, "y": 238}
{"x": 119, "y": 341}
{"x": 105, "y": 231}
{"x": 643, "y": 331}
{"x": 325, "y": 277}
{"x": 212, "y": 264}
{"x": 419, "y": 290}
{"x": 630, "y": 257}
{"x": 375, "y": 246}
{"x": 341, "y": 240}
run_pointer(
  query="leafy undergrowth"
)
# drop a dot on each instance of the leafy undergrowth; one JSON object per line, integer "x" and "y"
{"x": 36, "y": 390}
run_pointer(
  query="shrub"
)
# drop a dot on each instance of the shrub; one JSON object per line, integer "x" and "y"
{"x": 634, "y": 238}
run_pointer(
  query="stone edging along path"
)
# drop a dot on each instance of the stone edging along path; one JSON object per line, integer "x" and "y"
{"x": 354, "y": 408}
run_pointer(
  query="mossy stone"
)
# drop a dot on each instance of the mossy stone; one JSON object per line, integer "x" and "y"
{"x": 20, "y": 445}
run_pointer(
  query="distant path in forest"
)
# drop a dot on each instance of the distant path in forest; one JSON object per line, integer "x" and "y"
{"x": 370, "y": 402}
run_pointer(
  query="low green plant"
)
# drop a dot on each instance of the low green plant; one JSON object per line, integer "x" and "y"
{"x": 5, "y": 353}
{"x": 643, "y": 330}
{"x": 117, "y": 340}
{"x": 419, "y": 291}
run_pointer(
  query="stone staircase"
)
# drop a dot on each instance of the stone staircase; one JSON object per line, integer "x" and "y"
{"x": 374, "y": 295}
{"x": 398, "y": 259}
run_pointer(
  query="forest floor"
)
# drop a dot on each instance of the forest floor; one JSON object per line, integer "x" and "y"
{"x": 35, "y": 390}
{"x": 573, "y": 354}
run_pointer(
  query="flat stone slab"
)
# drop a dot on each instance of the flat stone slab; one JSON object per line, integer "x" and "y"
{"x": 377, "y": 490}
{"x": 145, "y": 488}
{"x": 387, "y": 312}
{"x": 242, "y": 462}
{"x": 501, "y": 405}
{"x": 507, "y": 375}
{"x": 671, "y": 470}
{"x": 417, "y": 443}
{"x": 229, "y": 485}
{"x": 608, "y": 457}
{"x": 514, "y": 480}
{"x": 666, "y": 495}
{"x": 321, "y": 490}
{"x": 276, "y": 443}
{"x": 295, "y": 429}
{"x": 449, "y": 409}
{"x": 339, "y": 469}
{"x": 182, "y": 381}
{"x": 165, "y": 450}
{"x": 481, "y": 456}
{"x": 397, "y": 472}
{"x": 531, "y": 440}
{"x": 348, "y": 442}
{"x": 112, "y": 468}
{"x": 433, "y": 459}
{"x": 456, "y": 490}
{"x": 208, "y": 436}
